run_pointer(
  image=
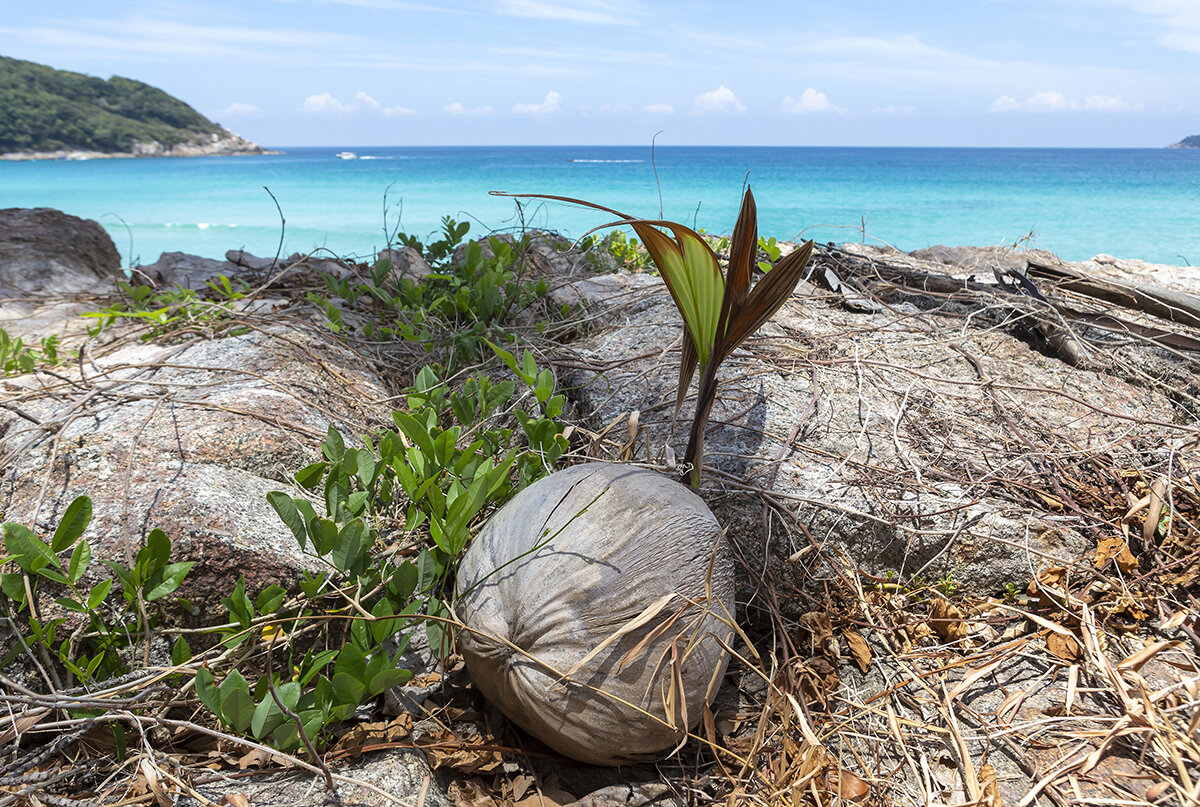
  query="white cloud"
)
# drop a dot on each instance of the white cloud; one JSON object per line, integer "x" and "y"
{"x": 587, "y": 12}
{"x": 659, "y": 109}
{"x": 1054, "y": 101}
{"x": 238, "y": 111}
{"x": 325, "y": 104}
{"x": 361, "y": 98}
{"x": 809, "y": 101}
{"x": 1048, "y": 102}
{"x": 547, "y": 107}
{"x": 458, "y": 109}
{"x": 721, "y": 100}
{"x": 1108, "y": 103}
{"x": 1005, "y": 103}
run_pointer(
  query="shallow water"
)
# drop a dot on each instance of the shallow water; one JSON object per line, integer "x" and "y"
{"x": 1132, "y": 203}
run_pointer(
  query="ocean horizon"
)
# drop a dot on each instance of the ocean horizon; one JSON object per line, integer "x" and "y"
{"x": 1077, "y": 203}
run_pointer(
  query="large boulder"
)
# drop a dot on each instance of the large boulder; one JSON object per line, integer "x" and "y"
{"x": 47, "y": 252}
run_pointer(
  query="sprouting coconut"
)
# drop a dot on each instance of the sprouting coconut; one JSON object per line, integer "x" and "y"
{"x": 598, "y": 603}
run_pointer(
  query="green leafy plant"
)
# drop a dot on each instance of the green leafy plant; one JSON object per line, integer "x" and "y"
{"x": 171, "y": 310}
{"x": 95, "y": 652}
{"x": 454, "y": 312}
{"x": 769, "y": 248}
{"x": 720, "y": 310}
{"x": 17, "y": 358}
{"x": 436, "y": 252}
{"x": 448, "y": 459}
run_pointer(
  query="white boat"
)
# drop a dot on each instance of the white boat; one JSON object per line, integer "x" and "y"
{"x": 347, "y": 155}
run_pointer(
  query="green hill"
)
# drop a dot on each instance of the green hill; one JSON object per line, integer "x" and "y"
{"x": 1190, "y": 142}
{"x": 43, "y": 109}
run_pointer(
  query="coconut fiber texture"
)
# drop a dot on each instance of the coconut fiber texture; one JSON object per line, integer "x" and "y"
{"x": 592, "y": 600}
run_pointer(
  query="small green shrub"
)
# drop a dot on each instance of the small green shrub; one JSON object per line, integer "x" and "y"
{"x": 17, "y": 358}
{"x": 170, "y": 311}
{"x": 94, "y": 653}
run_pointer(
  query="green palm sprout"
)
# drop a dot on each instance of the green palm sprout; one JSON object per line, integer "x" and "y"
{"x": 720, "y": 310}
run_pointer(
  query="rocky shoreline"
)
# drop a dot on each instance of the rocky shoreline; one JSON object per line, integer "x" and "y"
{"x": 227, "y": 144}
{"x": 972, "y": 416}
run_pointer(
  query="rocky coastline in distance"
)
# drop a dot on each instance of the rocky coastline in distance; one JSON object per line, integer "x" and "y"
{"x": 224, "y": 144}
{"x": 1191, "y": 142}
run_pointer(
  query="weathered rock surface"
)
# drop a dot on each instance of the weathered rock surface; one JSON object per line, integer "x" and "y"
{"x": 188, "y": 438}
{"x": 184, "y": 270}
{"x": 910, "y": 442}
{"x": 406, "y": 262}
{"x": 45, "y": 252}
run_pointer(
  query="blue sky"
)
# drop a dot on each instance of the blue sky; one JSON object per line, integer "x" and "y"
{"x": 856, "y": 72}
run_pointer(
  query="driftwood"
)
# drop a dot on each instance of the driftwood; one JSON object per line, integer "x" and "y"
{"x": 1163, "y": 303}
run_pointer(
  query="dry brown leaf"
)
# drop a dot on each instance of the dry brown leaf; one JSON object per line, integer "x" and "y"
{"x": 444, "y": 750}
{"x": 817, "y": 631}
{"x": 351, "y": 744}
{"x": 860, "y": 650}
{"x": 156, "y": 784}
{"x": 849, "y": 787}
{"x": 1065, "y": 647}
{"x": 472, "y": 793}
{"x": 946, "y": 620}
{"x": 991, "y": 787}
{"x": 235, "y": 800}
{"x": 1115, "y": 548}
{"x": 520, "y": 785}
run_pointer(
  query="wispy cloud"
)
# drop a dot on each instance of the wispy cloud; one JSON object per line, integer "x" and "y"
{"x": 659, "y": 109}
{"x": 810, "y": 101}
{"x": 1054, "y": 101}
{"x": 458, "y": 109}
{"x": 1179, "y": 18}
{"x": 587, "y": 12}
{"x": 720, "y": 101}
{"x": 893, "y": 109}
{"x": 547, "y": 107}
{"x": 326, "y": 104}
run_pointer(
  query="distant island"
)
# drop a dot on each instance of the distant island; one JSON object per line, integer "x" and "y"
{"x": 47, "y": 114}
{"x": 1192, "y": 142}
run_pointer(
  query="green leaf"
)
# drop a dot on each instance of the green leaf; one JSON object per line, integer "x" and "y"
{"x": 75, "y": 520}
{"x": 309, "y": 476}
{"x": 334, "y": 447}
{"x": 237, "y": 705}
{"x": 13, "y": 586}
{"x": 25, "y": 547}
{"x": 404, "y": 581}
{"x": 269, "y": 599}
{"x": 71, "y": 605}
{"x": 348, "y": 689}
{"x": 350, "y": 550}
{"x": 324, "y": 535}
{"x": 207, "y": 692}
{"x": 50, "y": 574}
{"x": 181, "y": 652}
{"x": 166, "y": 580}
{"x": 285, "y": 508}
{"x": 98, "y": 593}
{"x": 153, "y": 556}
{"x": 81, "y": 557}
{"x": 238, "y": 604}
{"x": 387, "y": 678}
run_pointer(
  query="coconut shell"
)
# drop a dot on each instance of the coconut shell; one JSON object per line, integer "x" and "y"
{"x": 591, "y": 602}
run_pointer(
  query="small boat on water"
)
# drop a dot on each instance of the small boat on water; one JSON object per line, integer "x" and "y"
{"x": 347, "y": 155}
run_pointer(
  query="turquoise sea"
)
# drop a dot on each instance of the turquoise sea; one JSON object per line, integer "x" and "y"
{"x": 1132, "y": 203}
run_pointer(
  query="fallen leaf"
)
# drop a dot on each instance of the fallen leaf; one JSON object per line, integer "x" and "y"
{"x": 860, "y": 650}
{"x": 817, "y": 629}
{"x": 444, "y": 750}
{"x": 991, "y": 787}
{"x": 156, "y": 785}
{"x": 1115, "y": 548}
{"x": 520, "y": 786}
{"x": 235, "y": 800}
{"x": 1065, "y": 647}
{"x": 351, "y": 744}
{"x": 849, "y": 787}
{"x": 946, "y": 621}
